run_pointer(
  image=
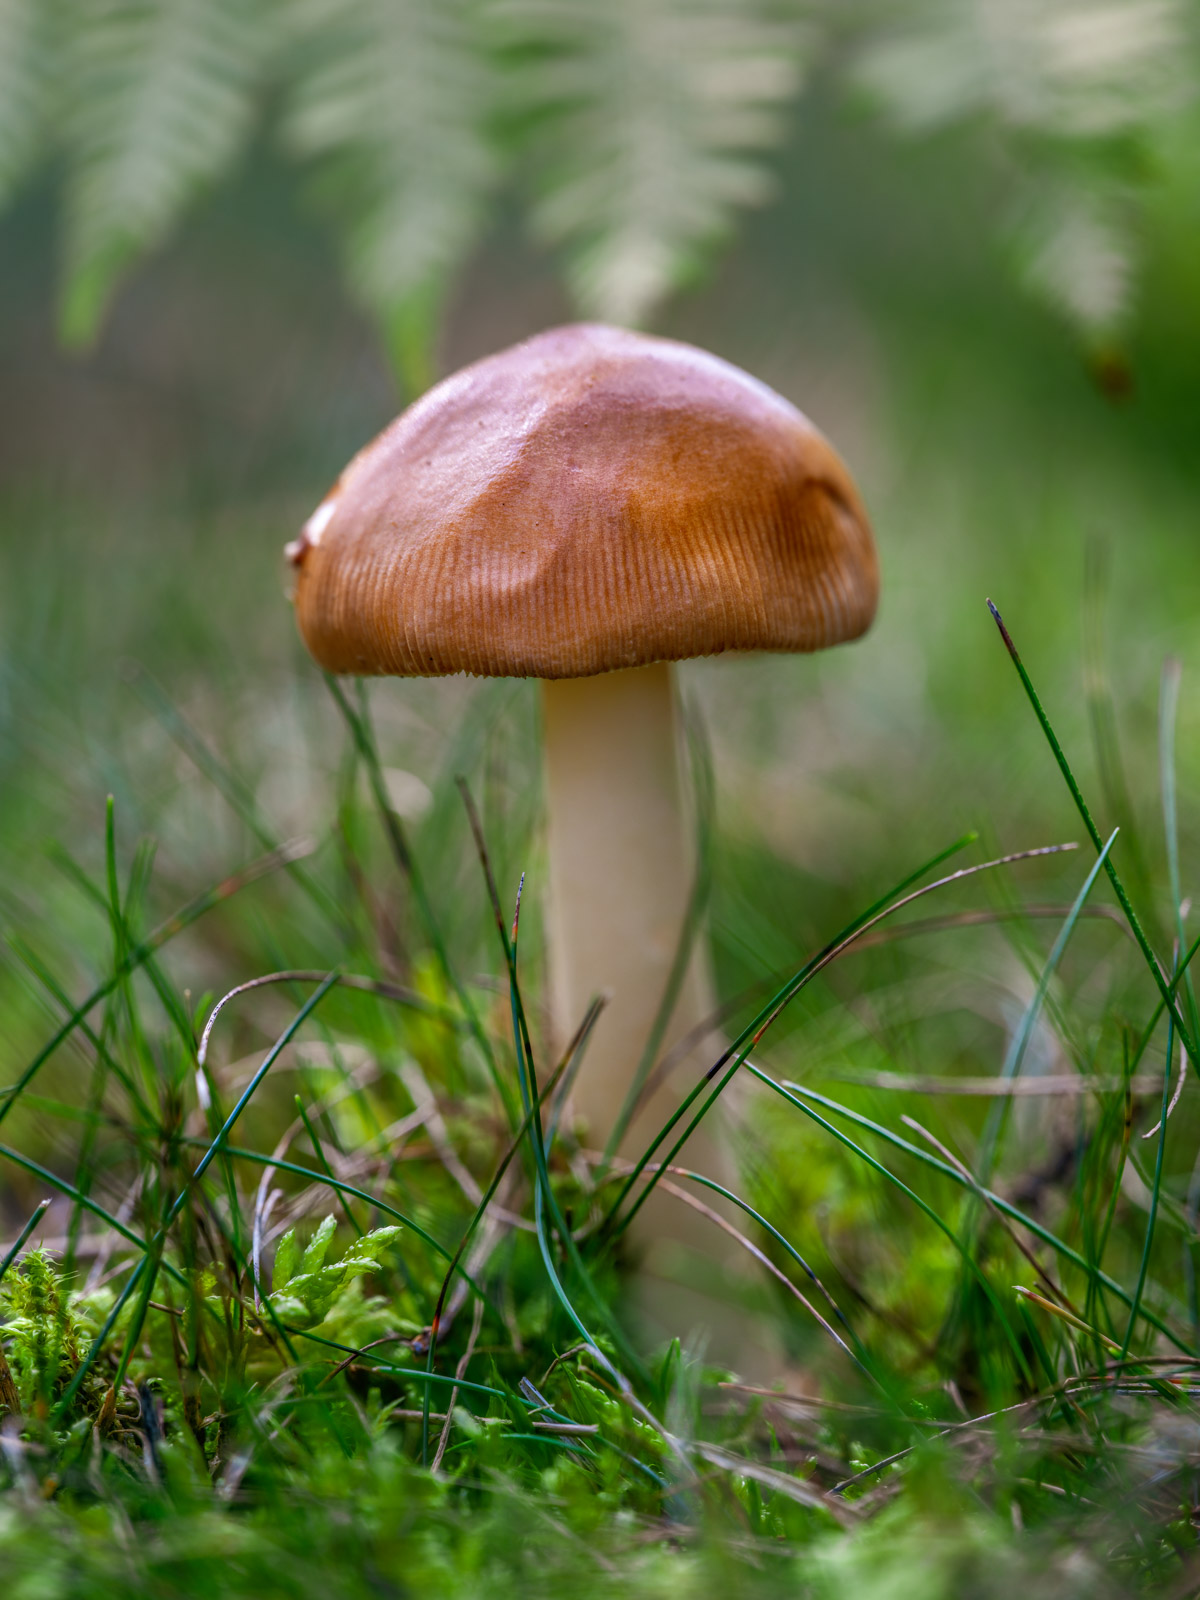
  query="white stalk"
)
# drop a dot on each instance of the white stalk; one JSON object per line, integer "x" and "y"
{"x": 621, "y": 871}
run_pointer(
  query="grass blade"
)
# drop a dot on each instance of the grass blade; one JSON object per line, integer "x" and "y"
{"x": 10, "y": 1255}
{"x": 1114, "y": 877}
{"x": 780, "y": 998}
{"x": 1168, "y": 708}
{"x": 364, "y": 740}
{"x": 1017, "y": 1049}
{"x": 789, "y": 1090}
{"x": 163, "y": 934}
{"x": 1155, "y": 1191}
{"x": 235, "y": 793}
{"x": 753, "y": 1033}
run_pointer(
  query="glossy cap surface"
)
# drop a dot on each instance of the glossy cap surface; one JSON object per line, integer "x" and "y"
{"x": 587, "y": 500}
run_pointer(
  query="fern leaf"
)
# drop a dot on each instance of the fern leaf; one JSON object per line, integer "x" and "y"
{"x": 390, "y": 98}
{"x": 650, "y": 116}
{"x": 1076, "y": 250}
{"x": 1072, "y": 69}
{"x": 24, "y": 85}
{"x": 1065, "y": 85}
{"x": 160, "y": 100}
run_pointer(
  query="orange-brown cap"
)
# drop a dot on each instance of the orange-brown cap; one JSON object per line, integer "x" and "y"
{"x": 588, "y": 500}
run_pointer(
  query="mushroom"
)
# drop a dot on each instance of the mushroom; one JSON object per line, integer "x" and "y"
{"x": 586, "y": 508}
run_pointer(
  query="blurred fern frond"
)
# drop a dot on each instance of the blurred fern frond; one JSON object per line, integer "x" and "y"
{"x": 157, "y": 100}
{"x": 1075, "y": 91}
{"x": 25, "y": 54}
{"x": 648, "y": 117}
{"x": 1072, "y": 69}
{"x": 391, "y": 97}
{"x": 1076, "y": 246}
{"x": 646, "y": 123}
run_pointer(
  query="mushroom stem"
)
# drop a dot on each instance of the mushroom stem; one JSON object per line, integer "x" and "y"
{"x": 621, "y": 872}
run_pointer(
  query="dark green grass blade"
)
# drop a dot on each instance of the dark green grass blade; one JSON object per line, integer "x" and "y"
{"x": 531, "y": 1098}
{"x": 1168, "y": 708}
{"x": 1114, "y": 877}
{"x": 101, "y": 1339}
{"x": 417, "y": 1374}
{"x": 66, "y": 1187}
{"x": 544, "y": 1197}
{"x": 1095, "y": 1308}
{"x": 1033, "y": 1334}
{"x": 33, "y": 963}
{"x": 544, "y": 1438}
{"x": 14, "y": 1251}
{"x": 364, "y": 740}
{"x": 781, "y": 996}
{"x": 1155, "y": 1192}
{"x": 149, "y": 1276}
{"x": 238, "y": 797}
{"x": 751, "y": 1036}
{"x": 963, "y": 1249}
{"x": 1156, "y": 1016}
{"x": 788, "y": 1090}
{"x": 1102, "y": 713}
{"x": 856, "y": 1350}
{"x": 618, "y": 1378}
{"x": 515, "y": 1143}
{"x": 153, "y": 1249}
{"x": 572, "y": 1061}
{"x": 163, "y": 934}
{"x": 323, "y": 1161}
{"x": 1015, "y": 1055}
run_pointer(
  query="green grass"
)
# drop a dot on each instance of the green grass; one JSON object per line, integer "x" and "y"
{"x": 332, "y": 1304}
{"x": 952, "y": 1436}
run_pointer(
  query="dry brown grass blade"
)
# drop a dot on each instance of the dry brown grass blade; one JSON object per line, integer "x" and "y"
{"x": 1047, "y": 1086}
{"x": 980, "y": 917}
{"x": 797, "y": 1489}
{"x": 460, "y": 1371}
{"x": 347, "y": 980}
{"x": 1003, "y": 1221}
{"x": 736, "y": 1234}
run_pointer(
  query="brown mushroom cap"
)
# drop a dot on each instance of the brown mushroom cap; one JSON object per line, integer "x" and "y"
{"x": 588, "y": 500}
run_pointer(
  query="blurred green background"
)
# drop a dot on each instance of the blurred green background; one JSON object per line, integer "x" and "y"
{"x": 237, "y": 238}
